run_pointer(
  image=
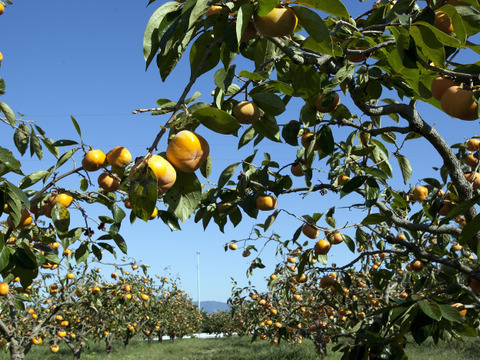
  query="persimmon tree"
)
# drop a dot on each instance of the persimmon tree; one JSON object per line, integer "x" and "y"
{"x": 356, "y": 83}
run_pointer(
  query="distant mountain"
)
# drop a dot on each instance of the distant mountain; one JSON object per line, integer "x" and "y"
{"x": 213, "y": 306}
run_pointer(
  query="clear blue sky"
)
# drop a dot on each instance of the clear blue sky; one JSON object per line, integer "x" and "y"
{"x": 85, "y": 59}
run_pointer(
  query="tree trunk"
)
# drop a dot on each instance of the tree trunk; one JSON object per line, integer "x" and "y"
{"x": 172, "y": 337}
{"x": 150, "y": 339}
{"x": 77, "y": 352}
{"x": 126, "y": 342}
{"x": 160, "y": 336}
{"x": 16, "y": 352}
{"x": 321, "y": 348}
{"x": 108, "y": 346}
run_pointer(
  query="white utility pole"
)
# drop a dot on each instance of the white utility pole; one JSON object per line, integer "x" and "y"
{"x": 198, "y": 282}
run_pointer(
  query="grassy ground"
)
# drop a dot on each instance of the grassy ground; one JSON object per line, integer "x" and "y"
{"x": 240, "y": 349}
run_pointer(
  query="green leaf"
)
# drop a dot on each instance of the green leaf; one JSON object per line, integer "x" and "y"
{"x": 35, "y": 146}
{"x": 120, "y": 241}
{"x": 246, "y": 137}
{"x": 334, "y": 7}
{"x": 217, "y": 120}
{"x": 4, "y": 254}
{"x": 64, "y": 142}
{"x": 8, "y": 162}
{"x": 290, "y": 132}
{"x": 118, "y": 213}
{"x": 325, "y": 140}
{"x": 270, "y": 103}
{"x": 18, "y": 193}
{"x": 81, "y": 254}
{"x": 374, "y": 219}
{"x": 206, "y": 168}
{"x": 184, "y": 196}
{"x": 143, "y": 192}
{"x": 315, "y": 27}
{"x": 405, "y": 167}
{"x": 469, "y": 230}
{"x": 61, "y": 218}
{"x": 450, "y": 313}
{"x": 169, "y": 219}
{"x": 203, "y": 54}
{"x": 65, "y": 157}
{"x": 49, "y": 145}
{"x": 8, "y": 113}
{"x": 77, "y": 127}
{"x": 431, "y": 309}
{"x": 227, "y": 174}
{"x": 21, "y": 138}
{"x": 156, "y": 27}
{"x": 33, "y": 178}
{"x": 244, "y": 15}
{"x": 429, "y": 44}
{"x": 350, "y": 243}
{"x": 353, "y": 184}
{"x": 251, "y": 76}
{"x": 265, "y": 6}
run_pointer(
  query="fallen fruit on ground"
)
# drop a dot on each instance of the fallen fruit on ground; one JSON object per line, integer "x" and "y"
{"x": 277, "y": 23}
{"x": 93, "y": 160}
{"x": 119, "y": 157}
{"x": 108, "y": 182}
{"x": 266, "y": 202}
{"x": 246, "y": 112}
{"x": 187, "y": 151}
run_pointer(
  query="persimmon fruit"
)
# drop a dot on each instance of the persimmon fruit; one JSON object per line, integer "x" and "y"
{"x": 420, "y": 193}
{"x": 326, "y": 103}
{"x": 277, "y": 23}
{"x": 322, "y": 247}
{"x": 93, "y": 160}
{"x": 459, "y": 103}
{"x": 443, "y": 22}
{"x": 246, "y": 112}
{"x": 119, "y": 157}
{"x": 473, "y": 144}
{"x": 187, "y": 151}
{"x": 266, "y": 202}
{"x": 108, "y": 182}
{"x": 310, "y": 231}
{"x": 439, "y": 85}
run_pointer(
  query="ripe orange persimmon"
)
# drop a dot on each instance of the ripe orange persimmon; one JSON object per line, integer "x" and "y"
{"x": 443, "y": 22}
{"x": 322, "y": 247}
{"x": 25, "y": 220}
{"x": 310, "y": 231}
{"x": 266, "y": 202}
{"x": 3, "y": 289}
{"x": 473, "y": 178}
{"x": 61, "y": 333}
{"x": 119, "y": 157}
{"x": 93, "y": 160}
{"x": 460, "y": 307}
{"x": 1, "y": 57}
{"x": 307, "y": 138}
{"x": 64, "y": 199}
{"x": 108, "y": 182}
{"x": 277, "y": 23}
{"x": 144, "y": 297}
{"x": 416, "y": 265}
{"x": 54, "y": 348}
{"x": 154, "y": 214}
{"x": 420, "y": 193}
{"x": 214, "y": 9}
{"x": 37, "y": 340}
{"x": 326, "y": 103}
{"x": 232, "y": 246}
{"x": 445, "y": 207}
{"x": 250, "y": 33}
{"x": 473, "y": 144}
{"x": 296, "y": 169}
{"x": 471, "y": 160}
{"x": 70, "y": 276}
{"x": 335, "y": 237}
{"x": 459, "y": 103}
{"x": 187, "y": 151}
{"x": 164, "y": 172}
{"x": 2, "y": 9}
{"x": 246, "y": 112}
{"x": 439, "y": 85}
